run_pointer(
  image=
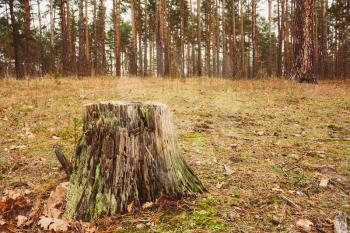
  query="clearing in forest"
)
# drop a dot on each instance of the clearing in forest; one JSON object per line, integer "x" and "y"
{"x": 273, "y": 154}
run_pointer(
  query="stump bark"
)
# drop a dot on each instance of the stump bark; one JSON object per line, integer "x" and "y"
{"x": 126, "y": 156}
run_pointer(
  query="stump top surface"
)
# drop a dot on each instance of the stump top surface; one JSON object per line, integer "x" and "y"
{"x": 128, "y": 103}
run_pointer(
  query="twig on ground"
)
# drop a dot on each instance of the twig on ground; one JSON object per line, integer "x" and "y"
{"x": 290, "y": 202}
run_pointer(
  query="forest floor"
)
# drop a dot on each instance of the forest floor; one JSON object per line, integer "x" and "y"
{"x": 273, "y": 154}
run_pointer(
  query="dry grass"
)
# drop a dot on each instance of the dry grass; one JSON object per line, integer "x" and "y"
{"x": 277, "y": 128}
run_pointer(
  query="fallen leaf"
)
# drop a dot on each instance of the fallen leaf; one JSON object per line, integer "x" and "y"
{"x": 21, "y": 220}
{"x": 305, "y": 224}
{"x": 55, "y": 137}
{"x": 219, "y": 185}
{"x": 59, "y": 225}
{"x": 147, "y": 205}
{"x": 260, "y": 133}
{"x": 131, "y": 207}
{"x": 53, "y": 224}
{"x": 324, "y": 182}
{"x": 228, "y": 170}
{"x": 7, "y": 227}
{"x": 10, "y": 203}
{"x": 45, "y": 222}
{"x": 55, "y": 203}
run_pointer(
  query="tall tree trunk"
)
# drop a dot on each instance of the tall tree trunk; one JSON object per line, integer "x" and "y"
{"x": 139, "y": 33}
{"x": 217, "y": 38}
{"x": 64, "y": 50}
{"x": 159, "y": 46}
{"x": 193, "y": 59}
{"x": 280, "y": 20}
{"x": 41, "y": 49}
{"x": 324, "y": 33}
{"x": 199, "y": 39}
{"x": 224, "y": 42}
{"x": 208, "y": 27}
{"x": 146, "y": 36}
{"x": 16, "y": 41}
{"x": 82, "y": 59}
{"x": 243, "y": 67}
{"x": 133, "y": 57}
{"x": 233, "y": 46}
{"x": 94, "y": 25}
{"x": 254, "y": 40}
{"x": 304, "y": 43}
{"x": 87, "y": 41}
{"x": 117, "y": 37}
{"x": 269, "y": 58}
{"x": 28, "y": 40}
{"x": 182, "y": 35}
{"x": 286, "y": 39}
{"x": 315, "y": 38}
{"x": 100, "y": 34}
{"x": 52, "y": 37}
{"x": 70, "y": 54}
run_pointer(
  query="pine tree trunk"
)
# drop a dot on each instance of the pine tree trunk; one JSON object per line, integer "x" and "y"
{"x": 280, "y": 21}
{"x": 16, "y": 42}
{"x": 64, "y": 50}
{"x": 233, "y": 48}
{"x": 117, "y": 37}
{"x": 29, "y": 70}
{"x": 254, "y": 40}
{"x": 87, "y": 41}
{"x": 269, "y": 62}
{"x": 41, "y": 48}
{"x": 304, "y": 46}
{"x": 243, "y": 68}
{"x": 199, "y": 39}
{"x": 127, "y": 156}
{"x": 52, "y": 37}
{"x": 81, "y": 56}
{"x": 324, "y": 32}
{"x": 133, "y": 60}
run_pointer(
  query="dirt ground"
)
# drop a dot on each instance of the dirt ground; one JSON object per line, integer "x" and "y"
{"x": 273, "y": 154}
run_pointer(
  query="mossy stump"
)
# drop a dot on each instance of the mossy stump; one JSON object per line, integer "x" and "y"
{"x": 126, "y": 156}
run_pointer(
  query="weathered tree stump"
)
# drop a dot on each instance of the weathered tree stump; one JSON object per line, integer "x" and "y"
{"x": 126, "y": 156}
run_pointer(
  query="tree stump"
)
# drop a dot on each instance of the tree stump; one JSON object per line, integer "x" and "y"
{"x": 126, "y": 156}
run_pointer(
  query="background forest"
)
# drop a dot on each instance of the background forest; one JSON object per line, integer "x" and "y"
{"x": 220, "y": 38}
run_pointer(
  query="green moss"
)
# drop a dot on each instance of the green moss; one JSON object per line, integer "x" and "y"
{"x": 144, "y": 114}
{"x": 100, "y": 204}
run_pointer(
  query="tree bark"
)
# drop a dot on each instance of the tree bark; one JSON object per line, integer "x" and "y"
{"x": 199, "y": 39}
{"x": 254, "y": 39}
{"x": 82, "y": 59}
{"x": 41, "y": 48}
{"x": 304, "y": 43}
{"x": 133, "y": 57}
{"x": 117, "y": 37}
{"x": 127, "y": 156}
{"x": 52, "y": 38}
{"x": 243, "y": 68}
{"x": 29, "y": 70}
{"x": 269, "y": 62}
{"x": 16, "y": 42}
{"x": 324, "y": 33}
